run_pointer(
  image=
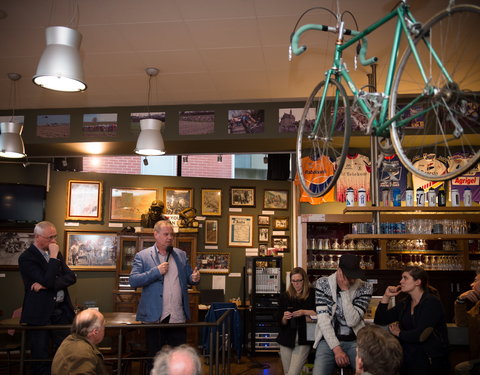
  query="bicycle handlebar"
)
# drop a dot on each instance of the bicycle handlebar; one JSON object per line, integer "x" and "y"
{"x": 298, "y": 50}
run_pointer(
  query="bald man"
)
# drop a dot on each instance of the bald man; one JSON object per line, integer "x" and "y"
{"x": 78, "y": 353}
{"x": 181, "y": 360}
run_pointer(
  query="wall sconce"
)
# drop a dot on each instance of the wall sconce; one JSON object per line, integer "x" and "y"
{"x": 219, "y": 158}
{"x": 11, "y": 142}
{"x": 185, "y": 159}
{"x": 150, "y": 140}
{"x": 145, "y": 161}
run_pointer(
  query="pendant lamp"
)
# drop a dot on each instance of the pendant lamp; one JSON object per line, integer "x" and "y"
{"x": 11, "y": 142}
{"x": 150, "y": 140}
{"x": 60, "y": 67}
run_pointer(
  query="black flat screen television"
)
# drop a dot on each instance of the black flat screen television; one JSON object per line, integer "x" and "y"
{"x": 21, "y": 203}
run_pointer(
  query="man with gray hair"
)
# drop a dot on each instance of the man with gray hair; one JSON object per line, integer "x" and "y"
{"x": 78, "y": 353}
{"x": 181, "y": 360}
{"x": 46, "y": 278}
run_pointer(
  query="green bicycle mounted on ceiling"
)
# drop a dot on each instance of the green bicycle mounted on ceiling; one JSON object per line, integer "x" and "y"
{"x": 436, "y": 84}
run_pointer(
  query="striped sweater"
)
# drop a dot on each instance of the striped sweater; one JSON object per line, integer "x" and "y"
{"x": 355, "y": 302}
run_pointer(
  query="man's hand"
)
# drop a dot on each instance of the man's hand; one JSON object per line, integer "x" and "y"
{"x": 471, "y": 295}
{"x": 341, "y": 358}
{"x": 163, "y": 268}
{"x": 53, "y": 249}
{"x": 342, "y": 281}
{"x": 36, "y": 287}
{"x": 196, "y": 275}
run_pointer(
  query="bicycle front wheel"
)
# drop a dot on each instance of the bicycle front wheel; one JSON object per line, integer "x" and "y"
{"x": 323, "y": 138}
{"x": 439, "y": 115}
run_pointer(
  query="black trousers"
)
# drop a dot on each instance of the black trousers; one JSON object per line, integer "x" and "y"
{"x": 158, "y": 337}
{"x": 41, "y": 340}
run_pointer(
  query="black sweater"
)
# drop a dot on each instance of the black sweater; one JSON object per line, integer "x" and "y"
{"x": 286, "y": 336}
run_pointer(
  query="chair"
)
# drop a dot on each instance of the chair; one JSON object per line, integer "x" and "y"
{"x": 216, "y": 311}
{"x": 9, "y": 342}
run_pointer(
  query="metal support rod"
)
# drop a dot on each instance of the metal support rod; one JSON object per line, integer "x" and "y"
{"x": 374, "y": 194}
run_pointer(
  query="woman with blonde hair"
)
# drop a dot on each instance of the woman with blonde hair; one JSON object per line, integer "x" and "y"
{"x": 296, "y": 303}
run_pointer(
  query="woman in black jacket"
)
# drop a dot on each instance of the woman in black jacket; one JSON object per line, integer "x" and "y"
{"x": 296, "y": 304}
{"x": 419, "y": 323}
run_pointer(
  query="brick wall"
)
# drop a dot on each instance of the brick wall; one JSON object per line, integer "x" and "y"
{"x": 207, "y": 166}
{"x": 112, "y": 164}
{"x": 197, "y": 165}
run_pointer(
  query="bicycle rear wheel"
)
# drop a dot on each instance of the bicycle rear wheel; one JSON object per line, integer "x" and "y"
{"x": 444, "y": 119}
{"x": 323, "y": 138}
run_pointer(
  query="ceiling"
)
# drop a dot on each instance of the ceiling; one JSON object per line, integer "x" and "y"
{"x": 208, "y": 51}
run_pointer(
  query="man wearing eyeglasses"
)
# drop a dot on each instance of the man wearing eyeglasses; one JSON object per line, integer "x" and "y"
{"x": 46, "y": 278}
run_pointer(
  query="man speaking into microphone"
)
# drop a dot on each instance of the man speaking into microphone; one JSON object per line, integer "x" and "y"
{"x": 164, "y": 273}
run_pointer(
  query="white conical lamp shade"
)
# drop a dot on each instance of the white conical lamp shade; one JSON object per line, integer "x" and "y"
{"x": 150, "y": 140}
{"x": 11, "y": 142}
{"x": 60, "y": 67}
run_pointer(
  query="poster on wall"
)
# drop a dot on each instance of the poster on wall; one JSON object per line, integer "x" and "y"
{"x": 289, "y": 119}
{"x": 12, "y": 244}
{"x": 53, "y": 126}
{"x": 240, "y": 228}
{"x": 84, "y": 200}
{"x": 91, "y": 251}
{"x": 196, "y": 122}
{"x": 135, "y": 118}
{"x": 246, "y": 121}
{"x": 99, "y": 124}
{"x": 128, "y": 204}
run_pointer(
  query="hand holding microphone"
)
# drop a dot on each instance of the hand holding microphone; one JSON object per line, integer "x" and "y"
{"x": 163, "y": 267}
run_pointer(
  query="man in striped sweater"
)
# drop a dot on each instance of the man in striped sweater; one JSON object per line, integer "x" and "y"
{"x": 341, "y": 301}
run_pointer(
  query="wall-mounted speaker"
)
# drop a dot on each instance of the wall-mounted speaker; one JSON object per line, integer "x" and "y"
{"x": 278, "y": 167}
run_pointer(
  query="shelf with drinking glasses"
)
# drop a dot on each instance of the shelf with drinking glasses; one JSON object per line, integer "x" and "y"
{"x": 413, "y": 235}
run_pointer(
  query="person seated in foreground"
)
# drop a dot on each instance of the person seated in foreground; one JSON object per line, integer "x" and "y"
{"x": 181, "y": 360}
{"x": 78, "y": 353}
{"x": 378, "y": 352}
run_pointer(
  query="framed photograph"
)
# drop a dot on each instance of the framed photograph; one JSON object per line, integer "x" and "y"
{"x": 240, "y": 228}
{"x": 177, "y": 199}
{"x": 213, "y": 262}
{"x": 275, "y": 199}
{"x": 280, "y": 223}
{"x": 12, "y": 244}
{"x": 212, "y": 202}
{"x": 128, "y": 204}
{"x": 84, "y": 200}
{"x": 91, "y": 251}
{"x": 280, "y": 243}
{"x": 242, "y": 197}
{"x": 211, "y": 231}
{"x": 262, "y": 249}
{"x": 263, "y": 234}
{"x": 263, "y": 220}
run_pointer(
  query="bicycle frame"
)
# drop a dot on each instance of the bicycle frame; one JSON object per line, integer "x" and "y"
{"x": 338, "y": 70}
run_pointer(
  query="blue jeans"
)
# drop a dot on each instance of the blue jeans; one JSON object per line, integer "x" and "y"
{"x": 325, "y": 360}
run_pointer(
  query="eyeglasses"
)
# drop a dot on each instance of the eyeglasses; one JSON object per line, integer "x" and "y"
{"x": 54, "y": 237}
{"x": 297, "y": 281}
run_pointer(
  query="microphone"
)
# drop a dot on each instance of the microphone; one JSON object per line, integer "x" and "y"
{"x": 169, "y": 251}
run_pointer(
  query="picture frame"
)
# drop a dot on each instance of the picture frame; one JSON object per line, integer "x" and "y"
{"x": 280, "y": 223}
{"x": 12, "y": 244}
{"x": 242, "y": 197}
{"x": 275, "y": 199}
{"x": 240, "y": 228}
{"x": 262, "y": 249}
{"x": 177, "y": 199}
{"x": 263, "y": 234}
{"x": 91, "y": 250}
{"x": 213, "y": 262}
{"x": 84, "y": 200}
{"x": 263, "y": 220}
{"x": 281, "y": 243}
{"x": 211, "y": 231}
{"x": 128, "y": 204}
{"x": 212, "y": 202}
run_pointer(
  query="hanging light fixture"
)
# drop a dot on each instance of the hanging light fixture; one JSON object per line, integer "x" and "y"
{"x": 150, "y": 140}
{"x": 60, "y": 67}
{"x": 11, "y": 142}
